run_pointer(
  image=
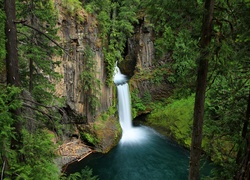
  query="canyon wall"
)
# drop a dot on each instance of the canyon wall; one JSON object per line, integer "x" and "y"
{"x": 141, "y": 55}
{"x": 76, "y": 35}
{"x": 81, "y": 31}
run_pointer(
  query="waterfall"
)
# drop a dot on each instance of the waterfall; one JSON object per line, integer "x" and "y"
{"x": 129, "y": 133}
{"x": 124, "y": 107}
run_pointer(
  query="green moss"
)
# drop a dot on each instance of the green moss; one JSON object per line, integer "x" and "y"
{"x": 90, "y": 138}
{"x": 176, "y": 118}
{"x": 107, "y": 114}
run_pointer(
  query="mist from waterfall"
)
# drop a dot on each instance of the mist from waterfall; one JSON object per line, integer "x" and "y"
{"x": 130, "y": 134}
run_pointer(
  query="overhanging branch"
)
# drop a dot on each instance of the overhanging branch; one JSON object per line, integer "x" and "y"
{"x": 39, "y": 31}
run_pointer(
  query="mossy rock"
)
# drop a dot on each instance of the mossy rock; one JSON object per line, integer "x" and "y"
{"x": 103, "y": 135}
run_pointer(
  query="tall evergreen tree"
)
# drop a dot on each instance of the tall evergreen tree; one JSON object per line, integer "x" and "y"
{"x": 195, "y": 152}
{"x": 36, "y": 48}
{"x": 18, "y": 144}
{"x": 13, "y": 76}
{"x": 12, "y": 67}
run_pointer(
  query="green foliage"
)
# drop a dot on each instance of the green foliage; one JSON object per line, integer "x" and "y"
{"x": 86, "y": 174}
{"x": 155, "y": 76}
{"x": 106, "y": 115}
{"x": 72, "y": 6}
{"x": 177, "y": 26}
{"x": 90, "y": 83}
{"x": 158, "y": 75}
{"x": 185, "y": 53}
{"x": 33, "y": 158}
{"x": 115, "y": 20}
{"x": 137, "y": 103}
{"x": 8, "y": 102}
{"x": 38, "y": 150}
{"x": 225, "y": 113}
{"x": 140, "y": 104}
{"x": 147, "y": 98}
{"x": 89, "y": 138}
{"x": 37, "y": 68}
{"x": 176, "y": 117}
{"x": 165, "y": 42}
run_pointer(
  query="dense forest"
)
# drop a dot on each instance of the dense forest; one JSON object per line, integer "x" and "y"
{"x": 200, "y": 54}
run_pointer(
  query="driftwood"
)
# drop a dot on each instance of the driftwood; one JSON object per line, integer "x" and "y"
{"x": 85, "y": 155}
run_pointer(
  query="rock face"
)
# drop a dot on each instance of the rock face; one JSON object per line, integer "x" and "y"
{"x": 76, "y": 36}
{"x": 79, "y": 34}
{"x": 141, "y": 54}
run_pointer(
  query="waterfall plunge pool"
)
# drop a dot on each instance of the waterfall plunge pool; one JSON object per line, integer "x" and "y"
{"x": 142, "y": 155}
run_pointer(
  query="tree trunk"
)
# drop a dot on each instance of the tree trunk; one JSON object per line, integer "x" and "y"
{"x": 244, "y": 170}
{"x": 195, "y": 152}
{"x": 12, "y": 68}
{"x": 242, "y": 145}
{"x": 31, "y": 64}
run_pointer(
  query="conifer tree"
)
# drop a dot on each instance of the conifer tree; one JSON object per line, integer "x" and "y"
{"x": 13, "y": 78}
{"x": 202, "y": 72}
{"x": 36, "y": 48}
{"x": 12, "y": 67}
{"x": 20, "y": 145}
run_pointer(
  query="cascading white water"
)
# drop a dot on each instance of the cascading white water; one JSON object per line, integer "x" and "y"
{"x": 124, "y": 108}
{"x": 129, "y": 133}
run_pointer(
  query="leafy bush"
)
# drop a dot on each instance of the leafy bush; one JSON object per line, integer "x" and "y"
{"x": 137, "y": 103}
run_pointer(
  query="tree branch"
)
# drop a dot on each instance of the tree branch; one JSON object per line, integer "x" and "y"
{"x": 23, "y": 22}
{"x": 3, "y": 170}
{"x": 44, "y": 113}
{"x": 39, "y": 104}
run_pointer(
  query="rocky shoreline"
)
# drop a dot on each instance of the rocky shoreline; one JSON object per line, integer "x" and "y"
{"x": 70, "y": 152}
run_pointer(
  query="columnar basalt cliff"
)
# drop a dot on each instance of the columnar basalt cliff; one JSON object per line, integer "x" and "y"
{"x": 79, "y": 32}
{"x": 141, "y": 54}
{"x": 76, "y": 35}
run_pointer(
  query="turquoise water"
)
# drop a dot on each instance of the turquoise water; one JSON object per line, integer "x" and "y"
{"x": 145, "y": 155}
